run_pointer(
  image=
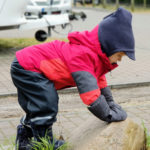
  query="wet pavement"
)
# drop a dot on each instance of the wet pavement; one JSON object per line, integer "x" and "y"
{"x": 73, "y": 113}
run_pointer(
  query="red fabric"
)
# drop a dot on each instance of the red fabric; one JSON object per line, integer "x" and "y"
{"x": 102, "y": 83}
{"x": 57, "y": 71}
{"x": 89, "y": 97}
{"x": 58, "y": 59}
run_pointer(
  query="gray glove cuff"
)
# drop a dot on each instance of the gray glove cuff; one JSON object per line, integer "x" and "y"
{"x": 107, "y": 93}
{"x": 100, "y": 109}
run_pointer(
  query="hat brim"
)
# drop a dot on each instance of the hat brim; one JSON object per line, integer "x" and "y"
{"x": 131, "y": 55}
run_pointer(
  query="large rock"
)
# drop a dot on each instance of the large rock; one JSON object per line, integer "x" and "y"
{"x": 97, "y": 135}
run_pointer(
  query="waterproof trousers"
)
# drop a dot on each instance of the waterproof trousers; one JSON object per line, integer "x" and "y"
{"x": 36, "y": 95}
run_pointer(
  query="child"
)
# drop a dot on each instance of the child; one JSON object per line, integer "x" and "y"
{"x": 40, "y": 70}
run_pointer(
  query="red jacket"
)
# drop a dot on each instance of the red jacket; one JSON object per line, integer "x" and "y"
{"x": 79, "y": 62}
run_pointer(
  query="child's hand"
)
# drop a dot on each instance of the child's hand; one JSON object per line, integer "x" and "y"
{"x": 103, "y": 111}
{"x": 117, "y": 113}
{"x": 100, "y": 108}
{"x": 113, "y": 105}
{"x": 107, "y": 94}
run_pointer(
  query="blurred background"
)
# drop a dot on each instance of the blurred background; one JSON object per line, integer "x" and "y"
{"x": 24, "y": 23}
{"x": 81, "y": 15}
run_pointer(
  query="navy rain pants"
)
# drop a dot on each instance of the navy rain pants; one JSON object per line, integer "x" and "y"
{"x": 36, "y": 95}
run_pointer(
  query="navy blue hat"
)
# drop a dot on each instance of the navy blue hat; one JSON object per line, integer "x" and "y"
{"x": 115, "y": 33}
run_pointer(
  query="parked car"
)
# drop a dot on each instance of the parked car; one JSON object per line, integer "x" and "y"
{"x": 38, "y": 8}
{"x": 61, "y": 6}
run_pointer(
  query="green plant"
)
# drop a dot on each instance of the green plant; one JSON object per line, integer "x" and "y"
{"x": 45, "y": 145}
{"x": 147, "y": 136}
{"x": 8, "y": 144}
{"x": 6, "y": 43}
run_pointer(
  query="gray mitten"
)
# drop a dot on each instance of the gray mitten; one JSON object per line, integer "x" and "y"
{"x": 117, "y": 112}
{"x": 109, "y": 98}
{"x": 101, "y": 109}
{"x": 107, "y": 93}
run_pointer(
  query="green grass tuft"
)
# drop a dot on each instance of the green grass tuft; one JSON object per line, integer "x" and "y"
{"x": 22, "y": 42}
{"x": 147, "y": 136}
{"x": 8, "y": 144}
{"x": 113, "y": 7}
{"x": 45, "y": 145}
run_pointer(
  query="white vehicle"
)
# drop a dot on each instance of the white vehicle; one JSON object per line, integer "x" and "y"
{"x": 61, "y": 6}
{"x": 37, "y": 8}
{"x": 12, "y": 17}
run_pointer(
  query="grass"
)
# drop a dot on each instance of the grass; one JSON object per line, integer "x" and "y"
{"x": 147, "y": 136}
{"x": 9, "y": 144}
{"x": 112, "y": 7}
{"x": 9, "y": 46}
{"x": 7, "y": 43}
{"x": 45, "y": 145}
{"x": 137, "y": 9}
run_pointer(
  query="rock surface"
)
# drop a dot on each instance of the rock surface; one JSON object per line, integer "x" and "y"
{"x": 97, "y": 135}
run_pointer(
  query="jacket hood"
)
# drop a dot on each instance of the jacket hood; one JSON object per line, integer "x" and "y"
{"x": 90, "y": 40}
{"x": 116, "y": 35}
{"x": 86, "y": 38}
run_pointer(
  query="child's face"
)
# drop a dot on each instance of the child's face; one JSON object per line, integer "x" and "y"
{"x": 116, "y": 57}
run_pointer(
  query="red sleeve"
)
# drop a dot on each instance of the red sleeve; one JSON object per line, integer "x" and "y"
{"x": 102, "y": 82}
{"x": 81, "y": 67}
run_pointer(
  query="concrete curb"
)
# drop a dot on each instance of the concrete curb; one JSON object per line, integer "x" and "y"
{"x": 75, "y": 90}
{"x": 129, "y": 85}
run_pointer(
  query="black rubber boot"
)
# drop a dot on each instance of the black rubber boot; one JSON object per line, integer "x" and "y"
{"x": 23, "y": 138}
{"x": 44, "y": 131}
